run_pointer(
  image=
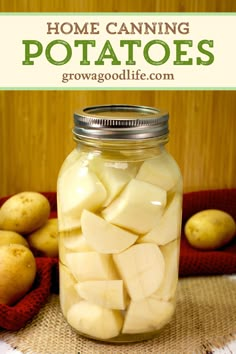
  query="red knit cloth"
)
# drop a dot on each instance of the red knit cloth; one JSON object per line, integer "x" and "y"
{"x": 192, "y": 261}
{"x": 15, "y": 317}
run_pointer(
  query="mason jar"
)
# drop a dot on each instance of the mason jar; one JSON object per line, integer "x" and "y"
{"x": 119, "y": 213}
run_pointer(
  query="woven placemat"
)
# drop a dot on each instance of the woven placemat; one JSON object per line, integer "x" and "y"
{"x": 205, "y": 319}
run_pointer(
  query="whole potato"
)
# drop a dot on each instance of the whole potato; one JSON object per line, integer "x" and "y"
{"x": 44, "y": 241}
{"x": 210, "y": 229}
{"x": 8, "y": 237}
{"x": 17, "y": 272}
{"x": 24, "y": 212}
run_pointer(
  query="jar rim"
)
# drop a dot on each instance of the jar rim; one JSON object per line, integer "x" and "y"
{"x": 120, "y": 121}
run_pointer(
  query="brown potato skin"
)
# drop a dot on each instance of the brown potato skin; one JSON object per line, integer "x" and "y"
{"x": 8, "y": 237}
{"x": 24, "y": 212}
{"x": 210, "y": 229}
{"x": 44, "y": 241}
{"x": 17, "y": 272}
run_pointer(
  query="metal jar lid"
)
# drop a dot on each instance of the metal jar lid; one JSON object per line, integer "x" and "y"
{"x": 120, "y": 121}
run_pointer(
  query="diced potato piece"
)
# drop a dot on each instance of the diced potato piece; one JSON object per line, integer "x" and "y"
{"x": 147, "y": 315}
{"x": 68, "y": 294}
{"x": 103, "y": 236}
{"x": 66, "y": 222}
{"x": 168, "y": 226}
{"x": 169, "y": 284}
{"x": 91, "y": 266}
{"x": 142, "y": 268}
{"x": 75, "y": 241}
{"x": 78, "y": 189}
{"x": 62, "y": 252}
{"x": 105, "y": 293}
{"x": 95, "y": 321}
{"x": 161, "y": 171}
{"x": 138, "y": 207}
{"x": 114, "y": 175}
{"x": 72, "y": 241}
{"x": 73, "y": 157}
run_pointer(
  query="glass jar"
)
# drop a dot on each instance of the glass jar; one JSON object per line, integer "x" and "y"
{"x": 119, "y": 214}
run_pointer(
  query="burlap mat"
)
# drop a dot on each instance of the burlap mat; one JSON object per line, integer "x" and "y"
{"x": 205, "y": 320}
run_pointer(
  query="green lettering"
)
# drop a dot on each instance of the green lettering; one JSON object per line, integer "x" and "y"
{"x": 64, "y": 44}
{"x": 180, "y": 52}
{"x": 29, "y": 54}
{"x": 130, "y": 44}
{"x": 210, "y": 60}
{"x": 85, "y": 44}
{"x": 166, "y": 54}
{"x": 110, "y": 55}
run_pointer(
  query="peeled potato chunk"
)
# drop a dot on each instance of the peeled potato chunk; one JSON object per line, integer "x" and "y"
{"x": 68, "y": 293}
{"x": 103, "y": 236}
{"x": 91, "y": 266}
{"x": 159, "y": 171}
{"x": 78, "y": 189}
{"x": 166, "y": 290}
{"x": 210, "y": 229}
{"x": 147, "y": 315}
{"x": 142, "y": 268}
{"x": 72, "y": 158}
{"x": 114, "y": 175}
{"x": 138, "y": 207}
{"x": 67, "y": 222}
{"x": 168, "y": 227}
{"x": 105, "y": 293}
{"x": 75, "y": 241}
{"x": 94, "y": 320}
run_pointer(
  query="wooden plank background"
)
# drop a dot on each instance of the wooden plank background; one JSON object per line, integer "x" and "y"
{"x": 35, "y": 126}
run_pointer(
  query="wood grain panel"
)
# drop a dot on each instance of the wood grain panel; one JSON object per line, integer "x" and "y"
{"x": 35, "y": 126}
{"x": 35, "y": 134}
{"x": 118, "y": 5}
